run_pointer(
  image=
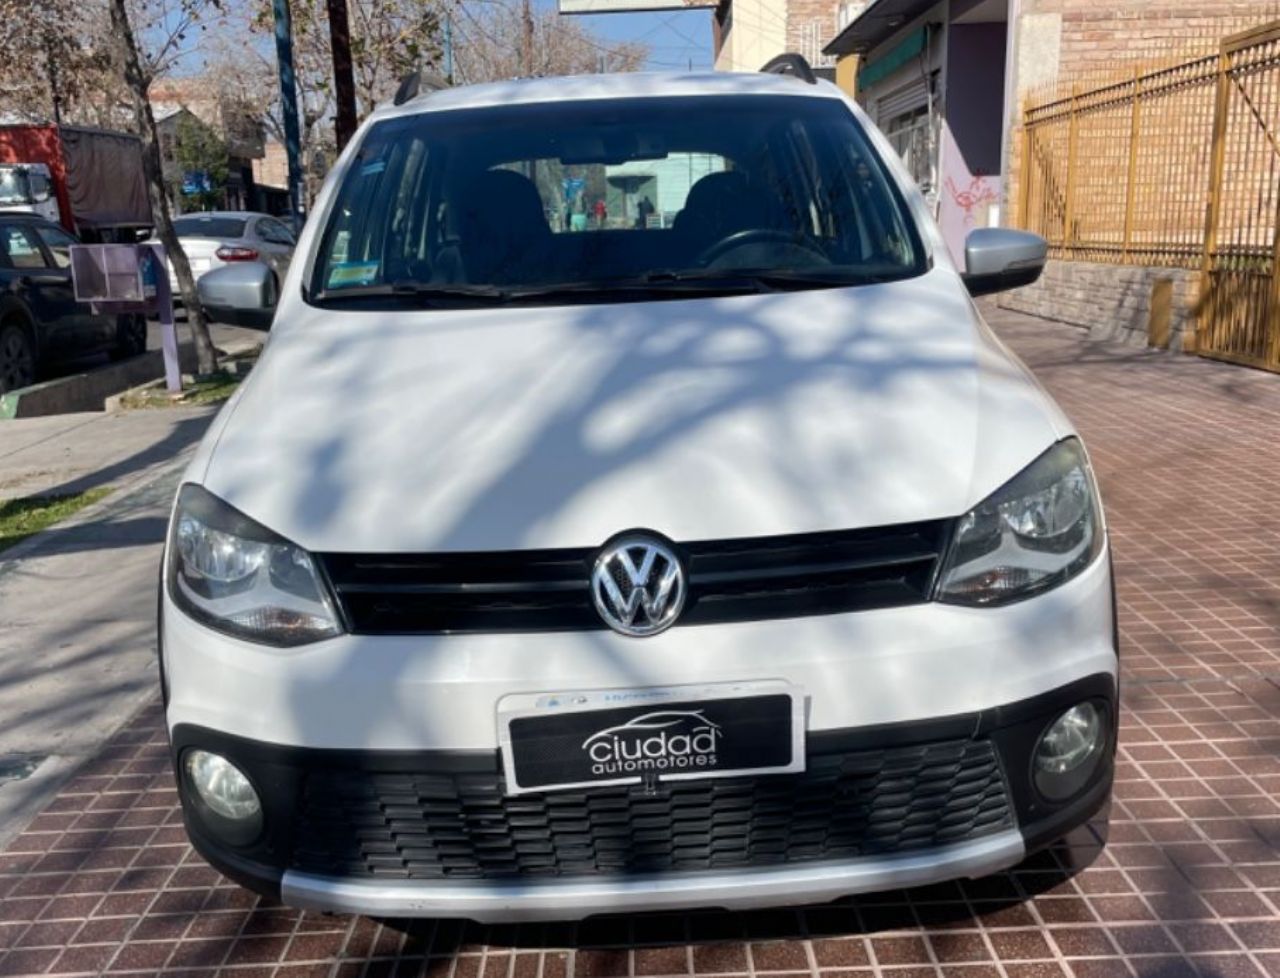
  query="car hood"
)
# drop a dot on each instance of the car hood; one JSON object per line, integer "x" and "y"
{"x": 560, "y": 427}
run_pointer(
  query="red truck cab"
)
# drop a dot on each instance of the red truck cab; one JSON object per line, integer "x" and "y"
{"x": 90, "y": 181}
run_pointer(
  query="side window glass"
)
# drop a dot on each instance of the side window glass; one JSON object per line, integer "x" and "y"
{"x": 59, "y": 244}
{"x": 275, "y": 232}
{"x": 21, "y": 247}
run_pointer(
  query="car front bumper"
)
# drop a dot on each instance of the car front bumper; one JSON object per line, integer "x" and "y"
{"x": 292, "y": 783}
{"x": 730, "y": 890}
{"x": 372, "y": 710}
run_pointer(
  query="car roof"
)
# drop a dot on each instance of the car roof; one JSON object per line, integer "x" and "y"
{"x": 26, "y": 216}
{"x": 614, "y": 85}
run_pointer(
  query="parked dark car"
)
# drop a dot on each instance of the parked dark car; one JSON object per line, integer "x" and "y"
{"x": 40, "y": 320}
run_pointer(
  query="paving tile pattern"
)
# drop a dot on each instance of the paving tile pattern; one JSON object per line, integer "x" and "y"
{"x": 1188, "y": 882}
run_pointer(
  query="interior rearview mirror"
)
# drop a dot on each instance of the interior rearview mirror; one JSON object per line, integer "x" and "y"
{"x": 996, "y": 259}
{"x": 243, "y": 294}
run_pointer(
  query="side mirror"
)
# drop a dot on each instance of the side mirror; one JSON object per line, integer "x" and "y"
{"x": 996, "y": 259}
{"x": 243, "y": 294}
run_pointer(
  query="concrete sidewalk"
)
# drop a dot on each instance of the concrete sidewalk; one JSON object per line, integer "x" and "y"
{"x": 72, "y": 452}
{"x": 77, "y": 602}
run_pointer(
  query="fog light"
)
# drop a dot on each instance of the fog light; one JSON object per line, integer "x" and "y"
{"x": 222, "y": 786}
{"x": 1069, "y": 750}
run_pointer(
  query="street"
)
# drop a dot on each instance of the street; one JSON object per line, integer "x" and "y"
{"x": 1188, "y": 882}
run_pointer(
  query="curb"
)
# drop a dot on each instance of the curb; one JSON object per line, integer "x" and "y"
{"x": 90, "y": 390}
{"x": 83, "y": 391}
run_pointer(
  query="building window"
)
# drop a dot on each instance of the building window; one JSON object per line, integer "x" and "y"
{"x": 813, "y": 35}
{"x": 912, "y": 135}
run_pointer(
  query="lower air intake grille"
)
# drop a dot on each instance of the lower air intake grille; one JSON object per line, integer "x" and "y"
{"x": 464, "y": 826}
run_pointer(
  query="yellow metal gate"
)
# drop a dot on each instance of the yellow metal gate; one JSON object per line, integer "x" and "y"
{"x": 1240, "y": 303}
{"x": 1175, "y": 167}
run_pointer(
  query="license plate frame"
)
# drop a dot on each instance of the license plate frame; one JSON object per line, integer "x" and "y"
{"x": 596, "y": 738}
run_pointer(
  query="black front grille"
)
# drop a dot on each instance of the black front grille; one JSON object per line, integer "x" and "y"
{"x": 465, "y": 826}
{"x": 549, "y": 590}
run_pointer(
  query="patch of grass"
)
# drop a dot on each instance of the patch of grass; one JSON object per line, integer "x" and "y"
{"x": 19, "y": 518}
{"x": 210, "y": 389}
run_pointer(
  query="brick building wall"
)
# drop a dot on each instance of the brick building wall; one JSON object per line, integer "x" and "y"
{"x": 273, "y": 169}
{"x": 1098, "y": 34}
{"x": 810, "y": 25}
{"x": 1062, "y": 43}
{"x": 1112, "y": 302}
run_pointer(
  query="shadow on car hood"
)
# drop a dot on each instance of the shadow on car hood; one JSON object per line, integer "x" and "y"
{"x": 506, "y": 428}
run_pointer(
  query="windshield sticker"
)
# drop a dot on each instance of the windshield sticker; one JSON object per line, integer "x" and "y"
{"x": 353, "y": 273}
{"x": 369, "y": 169}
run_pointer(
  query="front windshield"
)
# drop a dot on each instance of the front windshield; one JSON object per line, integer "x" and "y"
{"x": 504, "y": 203}
{"x": 13, "y": 186}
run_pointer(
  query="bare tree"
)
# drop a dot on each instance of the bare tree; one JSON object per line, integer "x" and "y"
{"x": 55, "y": 66}
{"x": 389, "y": 39}
{"x": 249, "y": 75}
{"x": 166, "y": 24}
{"x": 491, "y": 45}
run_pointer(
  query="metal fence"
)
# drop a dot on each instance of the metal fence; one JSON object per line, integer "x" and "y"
{"x": 1176, "y": 167}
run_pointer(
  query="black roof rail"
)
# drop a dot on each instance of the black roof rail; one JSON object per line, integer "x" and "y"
{"x": 791, "y": 64}
{"x": 415, "y": 84}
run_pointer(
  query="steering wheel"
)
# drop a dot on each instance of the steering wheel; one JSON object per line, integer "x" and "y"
{"x": 751, "y": 236}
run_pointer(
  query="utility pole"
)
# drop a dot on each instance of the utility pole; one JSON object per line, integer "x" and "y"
{"x": 289, "y": 104}
{"x": 526, "y": 20}
{"x": 448, "y": 46}
{"x": 344, "y": 85}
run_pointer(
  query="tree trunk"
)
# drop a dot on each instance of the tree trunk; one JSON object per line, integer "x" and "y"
{"x": 344, "y": 86}
{"x": 138, "y": 83}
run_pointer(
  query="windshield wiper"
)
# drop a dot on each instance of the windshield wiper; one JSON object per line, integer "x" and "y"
{"x": 454, "y": 290}
{"x": 500, "y": 295}
{"x": 666, "y": 282}
{"x": 418, "y": 291}
{"x": 781, "y": 279}
{"x": 651, "y": 282}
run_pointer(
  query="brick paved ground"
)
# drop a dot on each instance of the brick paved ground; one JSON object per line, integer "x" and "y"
{"x": 1188, "y": 884}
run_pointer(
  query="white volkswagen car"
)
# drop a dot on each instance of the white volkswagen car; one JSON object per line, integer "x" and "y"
{"x": 540, "y": 571}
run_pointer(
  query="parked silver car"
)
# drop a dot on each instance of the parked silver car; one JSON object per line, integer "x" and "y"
{"x": 213, "y": 239}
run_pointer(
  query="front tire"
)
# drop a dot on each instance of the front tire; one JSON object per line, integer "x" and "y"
{"x": 17, "y": 357}
{"x": 131, "y": 336}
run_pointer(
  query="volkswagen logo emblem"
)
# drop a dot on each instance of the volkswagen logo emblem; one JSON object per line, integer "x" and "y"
{"x": 638, "y": 585}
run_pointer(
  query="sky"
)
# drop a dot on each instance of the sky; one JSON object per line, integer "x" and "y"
{"x": 675, "y": 38}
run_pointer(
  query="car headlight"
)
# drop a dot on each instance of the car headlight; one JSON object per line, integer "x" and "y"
{"x": 231, "y": 574}
{"x": 1040, "y": 529}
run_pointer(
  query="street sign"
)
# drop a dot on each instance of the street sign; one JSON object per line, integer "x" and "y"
{"x": 196, "y": 182}
{"x": 129, "y": 278}
{"x": 107, "y": 273}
